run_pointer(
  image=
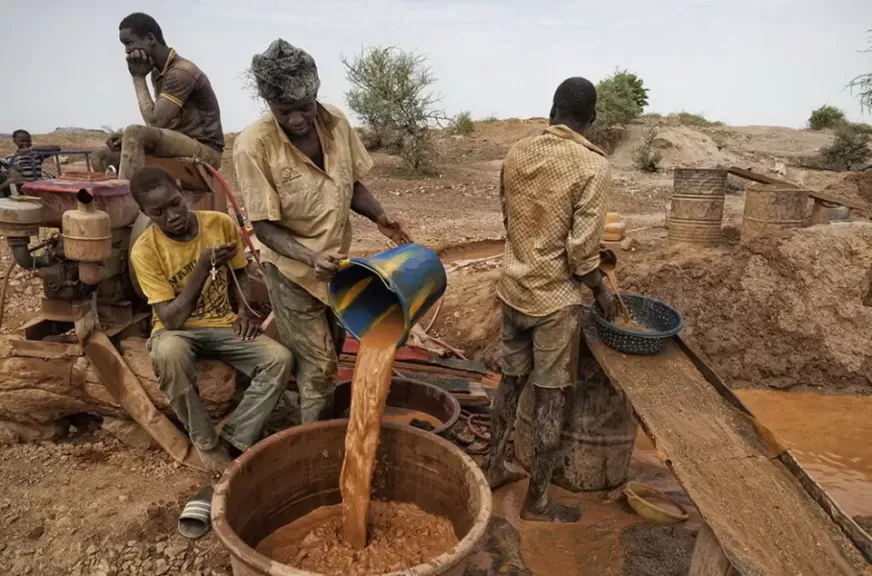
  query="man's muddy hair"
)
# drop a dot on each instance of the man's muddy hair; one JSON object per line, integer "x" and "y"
{"x": 576, "y": 98}
{"x": 142, "y": 25}
{"x": 148, "y": 179}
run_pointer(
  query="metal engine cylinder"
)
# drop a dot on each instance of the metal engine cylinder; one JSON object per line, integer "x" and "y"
{"x": 87, "y": 234}
{"x": 20, "y": 216}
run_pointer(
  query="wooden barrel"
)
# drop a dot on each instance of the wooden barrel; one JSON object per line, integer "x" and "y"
{"x": 290, "y": 474}
{"x": 770, "y": 209}
{"x": 597, "y": 440}
{"x": 697, "y": 205}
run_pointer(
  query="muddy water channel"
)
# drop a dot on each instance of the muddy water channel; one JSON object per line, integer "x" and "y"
{"x": 831, "y": 436}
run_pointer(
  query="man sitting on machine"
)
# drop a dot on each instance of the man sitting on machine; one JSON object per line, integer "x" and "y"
{"x": 184, "y": 264}
{"x": 183, "y": 120}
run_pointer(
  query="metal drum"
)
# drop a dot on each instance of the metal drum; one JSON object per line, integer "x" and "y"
{"x": 770, "y": 209}
{"x": 697, "y": 207}
{"x": 598, "y": 439}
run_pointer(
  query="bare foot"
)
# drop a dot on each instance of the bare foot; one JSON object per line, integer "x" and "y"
{"x": 501, "y": 474}
{"x": 216, "y": 460}
{"x": 552, "y": 512}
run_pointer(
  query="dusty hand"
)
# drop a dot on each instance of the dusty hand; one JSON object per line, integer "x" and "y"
{"x": 608, "y": 259}
{"x": 607, "y": 301}
{"x": 218, "y": 255}
{"x": 393, "y": 229}
{"x": 114, "y": 143}
{"x": 246, "y": 328}
{"x": 325, "y": 265}
{"x": 139, "y": 64}
{"x": 13, "y": 177}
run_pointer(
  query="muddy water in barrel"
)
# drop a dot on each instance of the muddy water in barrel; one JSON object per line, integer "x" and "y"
{"x": 399, "y": 415}
{"x": 369, "y": 391}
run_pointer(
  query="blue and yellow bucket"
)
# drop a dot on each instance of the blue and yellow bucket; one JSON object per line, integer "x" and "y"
{"x": 365, "y": 290}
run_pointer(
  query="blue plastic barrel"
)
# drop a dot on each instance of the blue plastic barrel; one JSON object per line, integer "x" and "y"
{"x": 366, "y": 289}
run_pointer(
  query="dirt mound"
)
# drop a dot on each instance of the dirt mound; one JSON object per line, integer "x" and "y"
{"x": 855, "y": 186}
{"x": 780, "y": 312}
{"x": 679, "y": 146}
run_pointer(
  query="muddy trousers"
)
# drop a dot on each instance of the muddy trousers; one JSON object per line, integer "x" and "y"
{"x": 312, "y": 333}
{"x": 266, "y": 362}
{"x": 542, "y": 350}
{"x": 139, "y": 141}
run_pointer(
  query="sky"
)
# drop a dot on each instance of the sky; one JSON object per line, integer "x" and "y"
{"x": 743, "y": 62}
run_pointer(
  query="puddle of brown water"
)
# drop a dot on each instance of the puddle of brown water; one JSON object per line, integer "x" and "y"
{"x": 829, "y": 435}
{"x": 594, "y": 545}
{"x": 590, "y": 546}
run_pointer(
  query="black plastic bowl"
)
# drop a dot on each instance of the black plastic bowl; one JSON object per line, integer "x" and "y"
{"x": 663, "y": 320}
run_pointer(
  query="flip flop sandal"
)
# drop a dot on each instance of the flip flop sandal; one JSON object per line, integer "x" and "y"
{"x": 195, "y": 519}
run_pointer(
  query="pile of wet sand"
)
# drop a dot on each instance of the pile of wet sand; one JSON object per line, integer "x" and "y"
{"x": 778, "y": 312}
{"x": 401, "y": 535}
{"x": 782, "y": 311}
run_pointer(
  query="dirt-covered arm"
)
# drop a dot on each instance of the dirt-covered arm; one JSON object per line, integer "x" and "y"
{"x": 279, "y": 240}
{"x": 365, "y": 204}
{"x": 156, "y": 114}
{"x": 174, "y": 313}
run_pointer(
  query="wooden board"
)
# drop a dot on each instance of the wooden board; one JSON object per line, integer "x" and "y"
{"x": 763, "y": 179}
{"x": 727, "y": 463}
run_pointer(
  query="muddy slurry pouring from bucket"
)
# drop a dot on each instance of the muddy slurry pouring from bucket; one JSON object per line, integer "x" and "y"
{"x": 378, "y": 300}
{"x": 369, "y": 391}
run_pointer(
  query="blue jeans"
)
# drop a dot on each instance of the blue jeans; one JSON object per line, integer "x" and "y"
{"x": 266, "y": 362}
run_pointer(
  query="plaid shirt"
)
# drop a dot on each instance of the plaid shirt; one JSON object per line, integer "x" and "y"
{"x": 553, "y": 189}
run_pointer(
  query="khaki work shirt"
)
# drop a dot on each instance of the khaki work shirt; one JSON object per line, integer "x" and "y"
{"x": 553, "y": 190}
{"x": 281, "y": 184}
{"x": 185, "y": 85}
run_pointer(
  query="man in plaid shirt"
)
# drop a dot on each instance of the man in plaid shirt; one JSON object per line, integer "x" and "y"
{"x": 553, "y": 188}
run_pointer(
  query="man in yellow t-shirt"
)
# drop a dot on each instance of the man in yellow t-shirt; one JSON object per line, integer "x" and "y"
{"x": 181, "y": 264}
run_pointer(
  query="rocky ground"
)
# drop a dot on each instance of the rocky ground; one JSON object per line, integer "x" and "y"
{"x": 92, "y": 506}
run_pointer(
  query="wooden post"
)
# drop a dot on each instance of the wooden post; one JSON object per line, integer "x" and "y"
{"x": 708, "y": 556}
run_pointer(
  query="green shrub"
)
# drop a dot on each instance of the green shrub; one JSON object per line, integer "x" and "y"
{"x": 645, "y": 157}
{"x": 368, "y": 138}
{"x": 621, "y": 99}
{"x": 652, "y": 116}
{"x": 697, "y": 120}
{"x": 862, "y": 127}
{"x": 390, "y": 93}
{"x": 850, "y": 149}
{"x": 463, "y": 124}
{"x": 826, "y": 117}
